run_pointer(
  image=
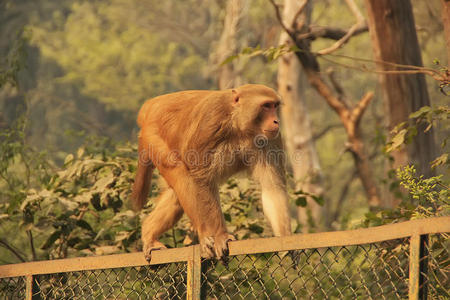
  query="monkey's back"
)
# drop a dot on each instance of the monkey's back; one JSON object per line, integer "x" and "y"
{"x": 193, "y": 114}
{"x": 169, "y": 104}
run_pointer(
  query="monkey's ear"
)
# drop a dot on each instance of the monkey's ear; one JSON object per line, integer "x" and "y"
{"x": 235, "y": 96}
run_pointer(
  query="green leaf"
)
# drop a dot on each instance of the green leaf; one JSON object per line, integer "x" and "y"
{"x": 229, "y": 59}
{"x": 256, "y": 53}
{"x": 68, "y": 204}
{"x": 397, "y": 141}
{"x": 319, "y": 199}
{"x": 85, "y": 225}
{"x": 69, "y": 158}
{"x": 422, "y": 111}
{"x": 256, "y": 228}
{"x": 299, "y": 192}
{"x": 294, "y": 48}
{"x": 51, "y": 239}
{"x": 227, "y": 217}
{"x": 103, "y": 183}
{"x": 84, "y": 197}
{"x": 441, "y": 160}
{"x": 300, "y": 201}
{"x": 80, "y": 152}
{"x": 248, "y": 50}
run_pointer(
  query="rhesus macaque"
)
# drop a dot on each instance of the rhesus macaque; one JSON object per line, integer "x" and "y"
{"x": 197, "y": 139}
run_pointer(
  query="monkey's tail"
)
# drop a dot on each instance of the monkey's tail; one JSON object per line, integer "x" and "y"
{"x": 142, "y": 184}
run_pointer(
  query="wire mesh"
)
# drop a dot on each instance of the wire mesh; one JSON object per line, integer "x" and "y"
{"x": 437, "y": 272}
{"x": 372, "y": 271}
{"x": 12, "y": 288}
{"x": 367, "y": 271}
{"x": 150, "y": 282}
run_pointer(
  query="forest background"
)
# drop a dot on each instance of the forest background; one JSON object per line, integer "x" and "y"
{"x": 74, "y": 74}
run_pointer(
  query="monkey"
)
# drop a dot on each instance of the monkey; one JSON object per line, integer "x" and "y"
{"x": 197, "y": 139}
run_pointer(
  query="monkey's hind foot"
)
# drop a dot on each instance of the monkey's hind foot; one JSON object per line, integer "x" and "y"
{"x": 151, "y": 246}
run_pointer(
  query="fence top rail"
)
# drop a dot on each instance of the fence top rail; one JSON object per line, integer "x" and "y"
{"x": 342, "y": 238}
{"x": 252, "y": 246}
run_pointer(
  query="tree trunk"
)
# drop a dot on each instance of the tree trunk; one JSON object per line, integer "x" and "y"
{"x": 300, "y": 146}
{"x": 349, "y": 115}
{"x": 227, "y": 76}
{"x": 394, "y": 40}
{"x": 446, "y": 23}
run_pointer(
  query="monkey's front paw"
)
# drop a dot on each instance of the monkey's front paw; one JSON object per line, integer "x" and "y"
{"x": 151, "y": 246}
{"x": 207, "y": 245}
{"x": 216, "y": 246}
{"x": 221, "y": 245}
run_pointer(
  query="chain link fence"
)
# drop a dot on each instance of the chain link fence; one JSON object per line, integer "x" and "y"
{"x": 372, "y": 271}
{"x": 12, "y": 288}
{"x": 158, "y": 282}
{"x": 436, "y": 272}
{"x": 378, "y": 270}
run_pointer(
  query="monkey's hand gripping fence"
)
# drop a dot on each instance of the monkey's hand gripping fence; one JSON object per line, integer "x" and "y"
{"x": 397, "y": 261}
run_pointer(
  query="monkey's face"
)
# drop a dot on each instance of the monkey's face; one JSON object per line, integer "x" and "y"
{"x": 270, "y": 123}
{"x": 256, "y": 111}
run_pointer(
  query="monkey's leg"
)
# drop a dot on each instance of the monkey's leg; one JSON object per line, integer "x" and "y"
{"x": 201, "y": 203}
{"x": 166, "y": 213}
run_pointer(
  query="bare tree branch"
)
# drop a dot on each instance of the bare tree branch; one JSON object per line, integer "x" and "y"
{"x": 355, "y": 10}
{"x": 443, "y": 77}
{"x": 280, "y": 18}
{"x": 332, "y": 33}
{"x": 343, "y": 195}
{"x": 346, "y": 187}
{"x": 319, "y": 134}
{"x": 322, "y": 88}
{"x": 30, "y": 239}
{"x": 360, "y": 23}
{"x": 340, "y": 35}
{"x": 360, "y": 107}
{"x": 324, "y": 131}
{"x": 6, "y": 245}
{"x": 298, "y": 13}
{"x": 337, "y": 87}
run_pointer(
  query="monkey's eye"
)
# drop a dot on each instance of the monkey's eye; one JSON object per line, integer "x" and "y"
{"x": 270, "y": 105}
{"x": 267, "y": 105}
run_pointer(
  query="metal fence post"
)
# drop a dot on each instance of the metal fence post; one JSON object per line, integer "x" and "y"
{"x": 29, "y": 287}
{"x": 418, "y": 267}
{"x": 194, "y": 273}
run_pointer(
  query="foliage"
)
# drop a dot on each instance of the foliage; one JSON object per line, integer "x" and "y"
{"x": 14, "y": 61}
{"x": 71, "y": 202}
{"x": 431, "y": 194}
{"x": 62, "y": 206}
{"x": 21, "y": 167}
{"x": 270, "y": 54}
{"x": 404, "y": 132}
{"x": 428, "y": 197}
{"x": 302, "y": 195}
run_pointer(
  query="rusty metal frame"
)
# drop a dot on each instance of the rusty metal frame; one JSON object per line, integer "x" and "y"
{"x": 416, "y": 230}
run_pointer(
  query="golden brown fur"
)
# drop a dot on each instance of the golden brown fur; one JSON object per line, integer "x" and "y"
{"x": 197, "y": 139}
